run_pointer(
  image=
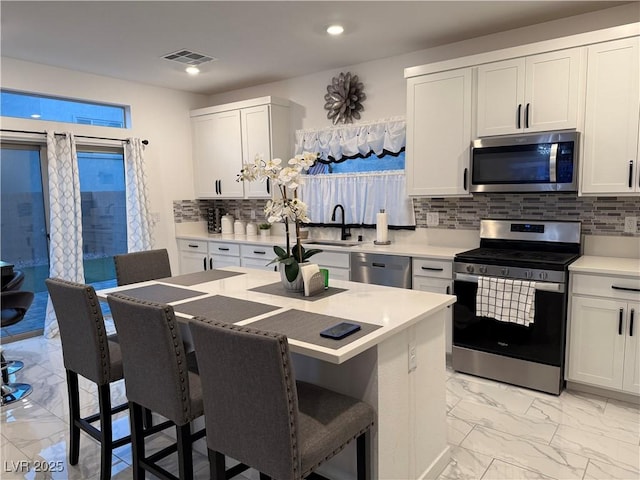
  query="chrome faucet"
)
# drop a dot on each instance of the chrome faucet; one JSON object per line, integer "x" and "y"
{"x": 344, "y": 231}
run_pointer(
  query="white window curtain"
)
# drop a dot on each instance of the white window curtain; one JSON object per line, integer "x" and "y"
{"x": 65, "y": 246}
{"x": 350, "y": 140}
{"x": 362, "y": 196}
{"x": 139, "y": 222}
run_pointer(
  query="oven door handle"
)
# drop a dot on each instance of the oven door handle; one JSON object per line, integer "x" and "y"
{"x": 542, "y": 286}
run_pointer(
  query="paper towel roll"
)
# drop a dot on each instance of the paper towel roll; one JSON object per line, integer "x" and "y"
{"x": 381, "y": 227}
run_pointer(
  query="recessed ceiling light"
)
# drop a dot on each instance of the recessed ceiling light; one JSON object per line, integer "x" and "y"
{"x": 191, "y": 70}
{"x": 35, "y": 115}
{"x": 335, "y": 29}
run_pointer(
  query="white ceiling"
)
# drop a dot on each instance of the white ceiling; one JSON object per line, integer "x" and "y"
{"x": 254, "y": 42}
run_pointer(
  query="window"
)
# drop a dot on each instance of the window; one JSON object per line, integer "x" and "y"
{"x": 372, "y": 163}
{"x": 24, "y": 215}
{"x": 42, "y": 107}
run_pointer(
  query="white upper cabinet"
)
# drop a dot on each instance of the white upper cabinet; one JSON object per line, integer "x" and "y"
{"x": 531, "y": 94}
{"x": 227, "y": 136}
{"x": 439, "y": 133}
{"x": 610, "y": 160}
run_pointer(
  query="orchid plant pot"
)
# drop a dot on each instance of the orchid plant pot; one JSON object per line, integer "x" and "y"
{"x": 297, "y": 285}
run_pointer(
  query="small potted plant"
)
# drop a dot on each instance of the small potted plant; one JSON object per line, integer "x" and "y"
{"x": 265, "y": 230}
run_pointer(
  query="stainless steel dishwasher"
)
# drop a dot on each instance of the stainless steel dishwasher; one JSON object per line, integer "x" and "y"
{"x": 389, "y": 270}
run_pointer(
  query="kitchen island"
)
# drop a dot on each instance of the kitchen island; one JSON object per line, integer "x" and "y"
{"x": 397, "y": 364}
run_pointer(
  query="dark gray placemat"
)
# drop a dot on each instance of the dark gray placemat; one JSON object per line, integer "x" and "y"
{"x": 226, "y": 309}
{"x": 160, "y": 293}
{"x": 278, "y": 289}
{"x": 199, "y": 277}
{"x": 306, "y": 327}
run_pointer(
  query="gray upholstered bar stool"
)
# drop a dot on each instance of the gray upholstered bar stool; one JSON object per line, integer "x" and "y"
{"x": 256, "y": 413}
{"x": 142, "y": 266}
{"x": 158, "y": 376}
{"x": 88, "y": 351}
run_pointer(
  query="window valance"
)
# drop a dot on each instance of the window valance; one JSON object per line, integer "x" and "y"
{"x": 352, "y": 140}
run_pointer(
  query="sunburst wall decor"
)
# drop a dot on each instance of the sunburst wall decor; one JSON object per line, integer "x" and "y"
{"x": 344, "y": 98}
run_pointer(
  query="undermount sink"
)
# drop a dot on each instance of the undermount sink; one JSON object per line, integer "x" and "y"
{"x": 332, "y": 243}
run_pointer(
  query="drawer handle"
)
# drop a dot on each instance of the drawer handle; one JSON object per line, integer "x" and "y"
{"x": 375, "y": 264}
{"x": 433, "y": 269}
{"x": 631, "y": 322}
{"x": 626, "y": 289}
{"x": 620, "y": 321}
{"x": 191, "y": 245}
{"x": 261, "y": 252}
{"x": 223, "y": 249}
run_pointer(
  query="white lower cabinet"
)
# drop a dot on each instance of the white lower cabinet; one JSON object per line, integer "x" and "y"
{"x": 193, "y": 255}
{"x": 257, "y": 256}
{"x": 604, "y": 345}
{"x": 224, "y": 254}
{"x": 336, "y": 262}
{"x": 435, "y": 276}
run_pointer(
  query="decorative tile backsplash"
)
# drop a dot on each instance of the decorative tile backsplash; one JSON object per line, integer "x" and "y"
{"x": 599, "y": 215}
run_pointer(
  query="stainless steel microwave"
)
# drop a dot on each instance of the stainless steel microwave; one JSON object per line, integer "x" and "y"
{"x": 541, "y": 162}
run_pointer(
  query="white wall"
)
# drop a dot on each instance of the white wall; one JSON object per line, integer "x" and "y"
{"x": 158, "y": 114}
{"x": 384, "y": 81}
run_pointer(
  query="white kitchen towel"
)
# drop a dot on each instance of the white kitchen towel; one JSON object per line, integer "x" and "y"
{"x": 506, "y": 300}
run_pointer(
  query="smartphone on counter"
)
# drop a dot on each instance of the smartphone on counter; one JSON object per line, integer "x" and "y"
{"x": 340, "y": 330}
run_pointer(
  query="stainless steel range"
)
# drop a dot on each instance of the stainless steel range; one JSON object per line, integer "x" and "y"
{"x": 515, "y": 256}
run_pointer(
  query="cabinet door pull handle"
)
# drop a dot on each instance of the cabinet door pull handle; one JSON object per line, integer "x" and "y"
{"x": 268, "y": 187}
{"x": 433, "y": 269}
{"x": 211, "y": 264}
{"x": 375, "y": 264}
{"x": 630, "y": 173}
{"x": 518, "y": 122}
{"x": 191, "y": 245}
{"x": 448, "y": 289}
{"x": 526, "y": 116}
{"x": 204, "y": 263}
{"x": 220, "y": 183}
{"x": 216, "y": 186}
{"x": 626, "y": 289}
{"x": 620, "y": 316}
{"x": 464, "y": 179}
{"x": 223, "y": 249}
{"x": 260, "y": 252}
{"x": 631, "y": 322}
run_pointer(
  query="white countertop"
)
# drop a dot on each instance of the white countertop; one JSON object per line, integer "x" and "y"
{"x": 395, "y": 309}
{"x": 396, "y": 248}
{"x": 606, "y": 266}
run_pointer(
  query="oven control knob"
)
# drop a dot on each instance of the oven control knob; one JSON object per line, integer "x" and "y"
{"x": 505, "y": 271}
{"x": 483, "y": 269}
{"x": 543, "y": 275}
{"x": 470, "y": 268}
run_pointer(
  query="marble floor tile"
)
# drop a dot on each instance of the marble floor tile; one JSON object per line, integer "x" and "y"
{"x": 504, "y": 421}
{"x": 489, "y": 394}
{"x": 535, "y": 456}
{"x": 457, "y": 430}
{"x": 598, "y": 470}
{"x": 585, "y": 414}
{"x": 598, "y": 447}
{"x": 499, "y": 470}
{"x": 623, "y": 410}
{"x": 465, "y": 465}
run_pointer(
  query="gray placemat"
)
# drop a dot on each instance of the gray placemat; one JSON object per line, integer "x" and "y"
{"x": 226, "y": 309}
{"x": 278, "y": 289}
{"x": 306, "y": 327}
{"x": 161, "y": 293}
{"x": 199, "y": 277}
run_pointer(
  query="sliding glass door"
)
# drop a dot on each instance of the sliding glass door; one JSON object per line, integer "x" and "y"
{"x": 24, "y": 218}
{"x": 23, "y": 238}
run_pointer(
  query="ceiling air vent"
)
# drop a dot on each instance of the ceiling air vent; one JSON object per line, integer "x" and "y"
{"x": 188, "y": 57}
